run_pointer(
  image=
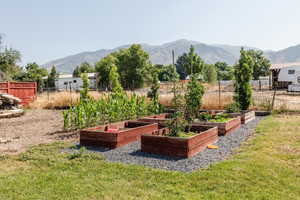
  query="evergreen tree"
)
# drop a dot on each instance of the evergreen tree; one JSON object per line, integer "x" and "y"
{"x": 154, "y": 92}
{"x": 243, "y": 75}
{"x": 52, "y": 77}
{"x": 85, "y": 86}
{"x": 114, "y": 79}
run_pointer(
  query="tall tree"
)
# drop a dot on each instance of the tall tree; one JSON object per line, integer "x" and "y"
{"x": 84, "y": 67}
{"x": 114, "y": 79}
{"x": 33, "y": 72}
{"x": 210, "y": 73}
{"x": 261, "y": 66}
{"x": 103, "y": 68}
{"x": 8, "y": 63}
{"x": 52, "y": 77}
{"x": 189, "y": 63}
{"x": 133, "y": 66}
{"x": 167, "y": 73}
{"x": 224, "y": 71}
{"x": 243, "y": 75}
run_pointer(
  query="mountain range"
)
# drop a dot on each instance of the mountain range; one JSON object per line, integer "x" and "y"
{"x": 161, "y": 54}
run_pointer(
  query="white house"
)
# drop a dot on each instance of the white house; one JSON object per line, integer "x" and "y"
{"x": 67, "y": 82}
{"x": 284, "y": 75}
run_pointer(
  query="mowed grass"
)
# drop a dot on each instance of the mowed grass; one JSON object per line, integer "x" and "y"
{"x": 266, "y": 167}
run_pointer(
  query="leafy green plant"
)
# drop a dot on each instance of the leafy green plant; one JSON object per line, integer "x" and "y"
{"x": 154, "y": 93}
{"x": 233, "y": 108}
{"x": 193, "y": 99}
{"x": 109, "y": 108}
{"x": 214, "y": 118}
{"x": 205, "y": 117}
{"x": 176, "y": 124}
{"x": 86, "y": 85}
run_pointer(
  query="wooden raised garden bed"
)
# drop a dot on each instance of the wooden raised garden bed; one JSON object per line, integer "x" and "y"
{"x": 246, "y": 116}
{"x": 224, "y": 128}
{"x": 116, "y": 134}
{"x": 157, "y": 143}
{"x": 161, "y": 119}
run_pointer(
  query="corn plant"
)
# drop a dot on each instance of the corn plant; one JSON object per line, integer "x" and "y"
{"x": 108, "y": 109}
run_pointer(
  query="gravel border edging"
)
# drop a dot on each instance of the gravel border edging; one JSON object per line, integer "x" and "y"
{"x": 131, "y": 154}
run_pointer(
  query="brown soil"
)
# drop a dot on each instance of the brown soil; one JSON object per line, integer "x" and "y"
{"x": 35, "y": 127}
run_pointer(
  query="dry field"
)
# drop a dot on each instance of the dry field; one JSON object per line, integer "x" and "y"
{"x": 261, "y": 99}
{"x": 35, "y": 127}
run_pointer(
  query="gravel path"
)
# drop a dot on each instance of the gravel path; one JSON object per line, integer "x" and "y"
{"x": 131, "y": 153}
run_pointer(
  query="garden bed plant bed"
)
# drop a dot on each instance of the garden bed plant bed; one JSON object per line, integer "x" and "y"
{"x": 183, "y": 147}
{"x": 116, "y": 134}
{"x": 161, "y": 119}
{"x": 246, "y": 116}
{"x": 225, "y": 123}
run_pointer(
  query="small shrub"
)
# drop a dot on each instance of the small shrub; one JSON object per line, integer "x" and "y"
{"x": 193, "y": 99}
{"x": 233, "y": 108}
{"x": 176, "y": 124}
{"x": 86, "y": 85}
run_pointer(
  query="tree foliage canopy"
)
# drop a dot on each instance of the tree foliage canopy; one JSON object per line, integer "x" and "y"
{"x": 33, "y": 72}
{"x": 167, "y": 72}
{"x": 189, "y": 63}
{"x": 103, "y": 67}
{"x": 84, "y": 67}
{"x": 261, "y": 65}
{"x": 224, "y": 71}
{"x": 8, "y": 62}
{"x": 210, "y": 73}
{"x": 133, "y": 65}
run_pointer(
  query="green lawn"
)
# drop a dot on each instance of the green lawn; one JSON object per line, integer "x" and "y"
{"x": 266, "y": 167}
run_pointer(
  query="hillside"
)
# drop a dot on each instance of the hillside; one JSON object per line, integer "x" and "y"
{"x": 161, "y": 54}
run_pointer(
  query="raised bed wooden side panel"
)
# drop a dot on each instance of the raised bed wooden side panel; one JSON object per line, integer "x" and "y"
{"x": 98, "y": 137}
{"x": 161, "y": 119}
{"x": 26, "y": 91}
{"x": 224, "y": 128}
{"x": 179, "y": 147}
{"x": 246, "y": 117}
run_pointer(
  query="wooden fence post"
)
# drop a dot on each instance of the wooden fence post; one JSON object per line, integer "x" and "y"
{"x": 8, "y": 87}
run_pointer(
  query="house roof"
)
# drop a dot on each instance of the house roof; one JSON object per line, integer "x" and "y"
{"x": 90, "y": 75}
{"x": 285, "y": 65}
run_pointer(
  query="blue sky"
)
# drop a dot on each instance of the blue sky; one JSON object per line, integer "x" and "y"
{"x": 46, "y": 30}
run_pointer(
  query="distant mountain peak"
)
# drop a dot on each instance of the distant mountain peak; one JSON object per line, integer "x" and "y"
{"x": 161, "y": 54}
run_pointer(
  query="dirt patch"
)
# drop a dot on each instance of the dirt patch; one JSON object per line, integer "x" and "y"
{"x": 35, "y": 127}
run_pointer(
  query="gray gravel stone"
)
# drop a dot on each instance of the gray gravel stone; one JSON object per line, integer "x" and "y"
{"x": 131, "y": 153}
